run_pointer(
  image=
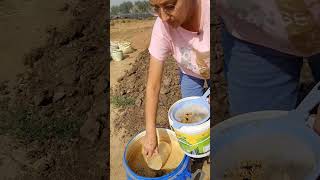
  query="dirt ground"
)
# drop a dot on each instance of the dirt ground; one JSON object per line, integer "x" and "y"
{"x": 32, "y": 19}
{"x": 53, "y": 90}
{"x": 219, "y": 86}
{"x": 139, "y": 37}
{"x": 23, "y": 27}
{"x": 128, "y": 79}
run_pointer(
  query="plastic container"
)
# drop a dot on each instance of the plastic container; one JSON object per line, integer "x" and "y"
{"x": 288, "y": 149}
{"x": 114, "y": 44}
{"x": 125, "y": 47}
{"x": 181, "y": 172}
{"x": 116, "y": 54}
{"x": 194, "y": 138}
{"x": 112, "y": 48}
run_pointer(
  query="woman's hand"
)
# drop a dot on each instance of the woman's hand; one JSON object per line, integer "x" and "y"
{"x": 316, "y": 125}
{"x": 150, "y": 144}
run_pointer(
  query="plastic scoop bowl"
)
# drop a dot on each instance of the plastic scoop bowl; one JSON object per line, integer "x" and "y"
{"x": 157, "y": 160}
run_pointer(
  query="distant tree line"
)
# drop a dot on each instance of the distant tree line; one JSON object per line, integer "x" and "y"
{"x": 129, "y": 7}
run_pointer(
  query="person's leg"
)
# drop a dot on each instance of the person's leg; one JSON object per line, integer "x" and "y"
{"x": 190, "y": 86}
{"x": 259, "y": 78}
{"x": 314, "y": 62}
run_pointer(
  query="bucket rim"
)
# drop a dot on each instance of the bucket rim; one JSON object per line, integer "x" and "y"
{"x": 185, "y": 160}
{"x": 192, "y": 129}
{"x": 198, "y": 156}
{"x": 116, "y": 50}
{"x": 247, "y": 118}
{"x": 177, "y": 124}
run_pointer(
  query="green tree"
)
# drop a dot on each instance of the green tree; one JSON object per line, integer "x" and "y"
{"x": 125, "y": 7}
{"x": 142, "y": 6}
{"x": 115, "y": 10}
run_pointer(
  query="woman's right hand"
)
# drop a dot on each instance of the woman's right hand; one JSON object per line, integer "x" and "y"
{"x": 150, "y": 144}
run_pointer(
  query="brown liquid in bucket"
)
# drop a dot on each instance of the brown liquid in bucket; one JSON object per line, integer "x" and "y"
{"x": 191, "y": 114}
{"x": 137, "y": 163}
{"x": 191, "y": 117}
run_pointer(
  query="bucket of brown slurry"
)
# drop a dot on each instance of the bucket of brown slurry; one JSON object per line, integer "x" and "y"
{"x": 177, "y": 166}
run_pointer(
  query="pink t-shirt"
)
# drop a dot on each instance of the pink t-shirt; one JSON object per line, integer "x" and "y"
{"x": 289, "y": 26}
{"x": 191, "y": 50}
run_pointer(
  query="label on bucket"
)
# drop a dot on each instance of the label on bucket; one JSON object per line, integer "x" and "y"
{"x": 195, "y": 144}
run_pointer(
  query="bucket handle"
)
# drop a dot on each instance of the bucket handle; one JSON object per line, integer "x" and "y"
{"x": 310, "y": 101}
{"x": 206, "y": 94}
{"x": 195, "y": 174}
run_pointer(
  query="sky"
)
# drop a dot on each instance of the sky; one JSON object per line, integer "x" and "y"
{"x": 117, "y": 2}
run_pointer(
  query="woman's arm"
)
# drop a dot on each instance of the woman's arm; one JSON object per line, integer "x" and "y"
{"x": 151, "y": 105}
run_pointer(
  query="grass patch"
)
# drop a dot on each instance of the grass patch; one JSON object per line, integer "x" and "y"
{"x": 122, "y": 101}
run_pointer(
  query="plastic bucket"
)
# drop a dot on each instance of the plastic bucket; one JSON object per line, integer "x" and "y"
{"x": 126, "y": 47}
{"x": 114, "y": 44}
{"x": 116, "y": 54}
{"x": 194, "y": 138}
{"x": 179, "y": 170}
{"x": 292, "y": 151}
{"x": 113, "y": 48}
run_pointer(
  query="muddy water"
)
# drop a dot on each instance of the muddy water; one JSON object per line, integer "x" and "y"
{"x": 23, "y": 25}
{"x": 191, "y": 114}
{"x": 192, "y": 117}
{"x": 137, "y": 163}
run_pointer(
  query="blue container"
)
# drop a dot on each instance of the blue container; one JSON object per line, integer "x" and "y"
{"x": 182, "y": 172}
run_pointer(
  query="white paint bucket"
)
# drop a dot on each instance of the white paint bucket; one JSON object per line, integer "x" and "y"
{"x": 194, "y": 138}
{"x": 126, "y": 47}
{"x": 114, "y": 44}
{"x": 116, "y": 54}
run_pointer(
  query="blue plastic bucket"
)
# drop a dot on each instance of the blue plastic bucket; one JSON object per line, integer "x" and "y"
{"x": 181, "y": 172}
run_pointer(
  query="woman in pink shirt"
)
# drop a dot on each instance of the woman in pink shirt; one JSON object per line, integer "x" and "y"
{"x": 181, "y": 30}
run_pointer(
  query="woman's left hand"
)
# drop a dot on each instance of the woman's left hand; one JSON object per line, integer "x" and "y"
{"x": 316, "y": 125}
